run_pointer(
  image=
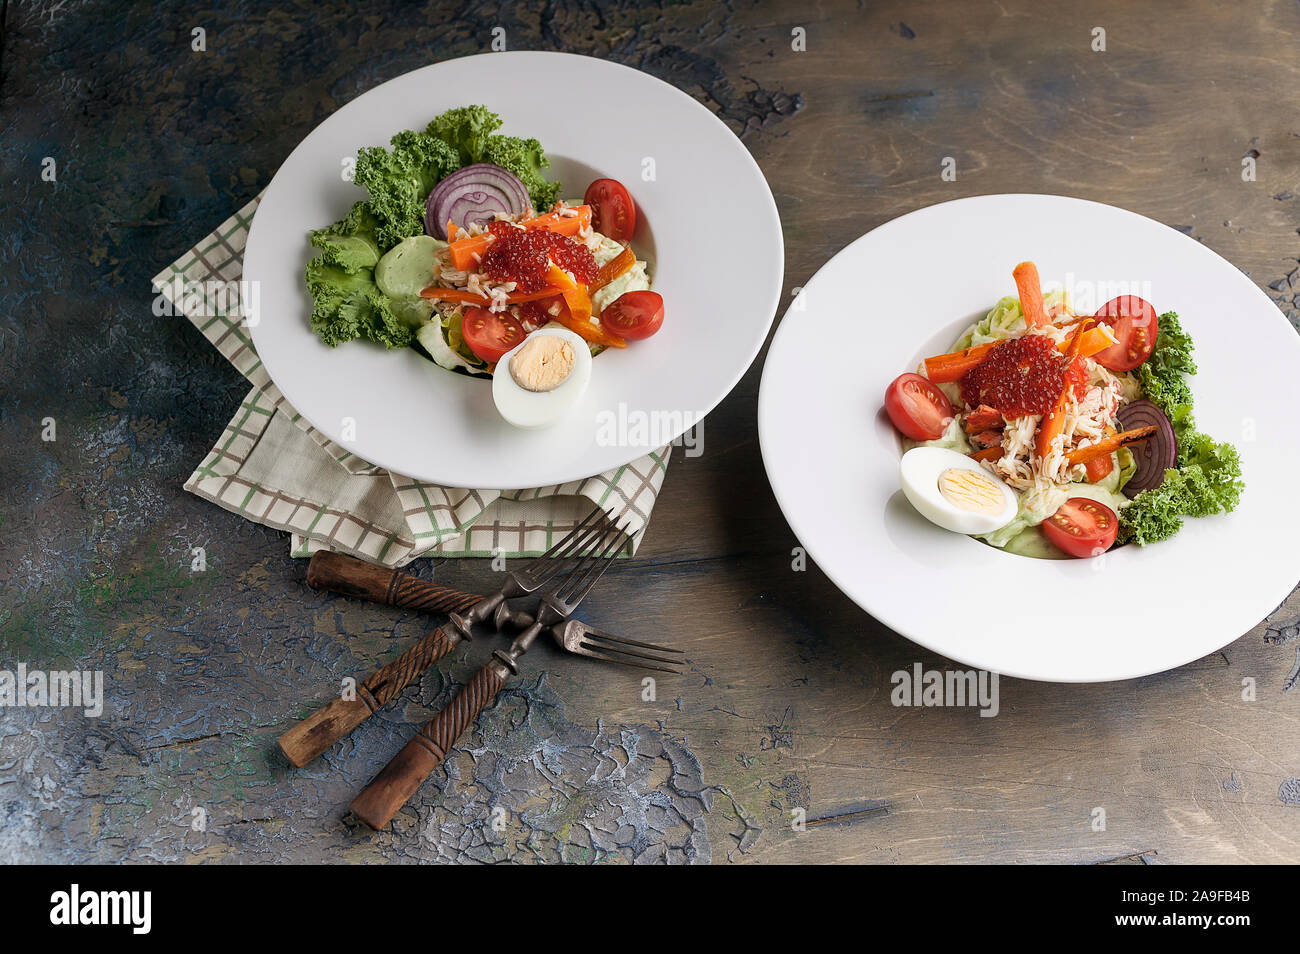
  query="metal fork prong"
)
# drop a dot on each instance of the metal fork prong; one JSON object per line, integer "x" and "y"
{"x": 603, "y": 657}
{"x": 594, "y": 561}
{"x": 624, "y": 641}
{"x": 588, "y": 533}
{"x": 588, "y": 644}
{"x": 592, "y": 567}
{"x": 568, "y": 537}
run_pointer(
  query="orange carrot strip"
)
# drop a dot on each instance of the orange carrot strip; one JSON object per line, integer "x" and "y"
{"x": 1031, "y": 294}
{"x": 589, "y": 332}
{"x": 579, "y": 303}
{"x": 560, "y": 278}
{"x": 988, "y": 453}
{"x": 1092, "y": 340}
{"x": 464, "y": 250}
{"x": 614, "y": 268}
{"x": 464, "y": 295}
{"x": 1108, "y": 445}
{"x": 1053, "y": 422}
{"x": 953, "y": 367}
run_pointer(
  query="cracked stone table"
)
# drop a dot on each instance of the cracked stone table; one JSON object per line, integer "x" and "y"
{"x": 150, "y": 143}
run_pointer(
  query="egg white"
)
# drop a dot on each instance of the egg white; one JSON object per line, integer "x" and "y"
{"x": 529, "y": 409}
{"x": 919, "y": 472}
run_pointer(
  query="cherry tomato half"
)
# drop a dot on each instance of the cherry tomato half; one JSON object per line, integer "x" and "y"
{"x": 917, "y": 407}
{"x": 613, "y": 213}
{"x": 490, "y": 335}
{"x": 1082, "y": 527}
{"x": 634, "y": 315}
{"x": 1133, "y": 322}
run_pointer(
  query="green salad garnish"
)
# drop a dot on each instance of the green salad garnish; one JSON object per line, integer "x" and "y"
{"x": 1207, "y": 477}
{"x": 347, "y": 303}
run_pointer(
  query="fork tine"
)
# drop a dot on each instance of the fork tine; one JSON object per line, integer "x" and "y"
{"x": 632, "y": 652}
{"x": 591, "y": 568}
{"x": 624, "y": 641}
{"x": 544, "y": 568}
{"x": 568, "y": 537}
{"x": 593, "y": 654}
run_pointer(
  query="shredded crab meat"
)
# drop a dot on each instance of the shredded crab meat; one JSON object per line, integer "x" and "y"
{"x": 1086, "y": 422}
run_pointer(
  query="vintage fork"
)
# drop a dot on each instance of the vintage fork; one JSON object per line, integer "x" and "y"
{"x": 352, "y": 577}
{"x": 576, "y": 637}
{"x": 313, "y": 735}
{"x": 393, "y": 787}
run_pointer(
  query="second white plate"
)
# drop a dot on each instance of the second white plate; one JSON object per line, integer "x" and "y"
{"x": 905, "y": 291}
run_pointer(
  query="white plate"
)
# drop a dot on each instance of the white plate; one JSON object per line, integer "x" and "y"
{"x": 707, "y": 224}
{"x": 905, "y": 291}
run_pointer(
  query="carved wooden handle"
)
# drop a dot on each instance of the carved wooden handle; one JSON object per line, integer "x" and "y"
{"x": 352, "y": 577}
{"x": 401, "y": 778}
{"x": 313, "y": 735}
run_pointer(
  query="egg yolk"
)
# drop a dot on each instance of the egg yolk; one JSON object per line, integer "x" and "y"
{"x": 543, "y": 363}
{"x": 971, "y": 491}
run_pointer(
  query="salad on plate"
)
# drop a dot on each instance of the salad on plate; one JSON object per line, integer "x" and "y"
{"x": 1051, "y": 434}
{"x": 464, "y": 251}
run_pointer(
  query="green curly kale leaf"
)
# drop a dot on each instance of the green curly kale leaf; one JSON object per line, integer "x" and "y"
{"x": 1156, "y": 514}
{"x": 399, "y": 180}
{"x": 1212, "y": 472}
{"x": 1163, "y": 375}
{"x": 466, "y": 130}
{"x": 524, "y": 157}
{"x": 1210, "y": 483}
{"x": 470, "y": 131}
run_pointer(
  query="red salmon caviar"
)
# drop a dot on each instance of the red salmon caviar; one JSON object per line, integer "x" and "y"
{"x": 523, "y": 256}
{"x": 1023, "y": 376}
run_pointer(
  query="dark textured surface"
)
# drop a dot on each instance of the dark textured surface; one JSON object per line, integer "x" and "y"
{"x": 155, "y": 144}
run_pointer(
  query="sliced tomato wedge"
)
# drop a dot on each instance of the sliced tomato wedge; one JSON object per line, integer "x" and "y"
{"x": 634, "y": 315}
{"x": 613, "y": 213}
{"x": 917, "y": 407}
{"x": 1134, "y": 324}
{"x": 1082, "y": 527}
{"x": 490, "y": 335}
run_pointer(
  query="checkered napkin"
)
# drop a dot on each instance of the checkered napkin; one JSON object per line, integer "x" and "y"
{"x": 274, "y": 468}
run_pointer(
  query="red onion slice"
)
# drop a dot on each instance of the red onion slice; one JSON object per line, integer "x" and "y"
{"x": 473, "y": 195}
{"x": 1154, "y": 455}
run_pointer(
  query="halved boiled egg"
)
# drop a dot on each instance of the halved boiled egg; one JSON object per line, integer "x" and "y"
{"x": 955, "y": 492}
{"x": 538, "y": 381}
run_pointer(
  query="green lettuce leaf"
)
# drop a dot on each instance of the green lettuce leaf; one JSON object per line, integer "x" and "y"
{"x": 350, "y": 243}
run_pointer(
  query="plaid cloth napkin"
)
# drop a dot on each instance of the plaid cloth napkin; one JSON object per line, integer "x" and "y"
{"x": 274, "y": 468}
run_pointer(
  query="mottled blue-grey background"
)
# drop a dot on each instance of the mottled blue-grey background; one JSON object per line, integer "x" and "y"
{"x": 153, "y": 143}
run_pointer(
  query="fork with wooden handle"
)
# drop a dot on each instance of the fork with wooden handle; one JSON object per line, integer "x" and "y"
{"x": 352, "y": 577}
{"x": 312, "y": 736}
{"x": 401, "y": 778}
